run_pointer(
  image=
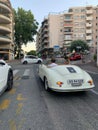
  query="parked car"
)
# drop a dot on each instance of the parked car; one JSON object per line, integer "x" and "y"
{"x": 75, "y": 56}
{"x": 6, "y": 76}
{"x": 31, "y": 59}
{"x": 65, "y": 78}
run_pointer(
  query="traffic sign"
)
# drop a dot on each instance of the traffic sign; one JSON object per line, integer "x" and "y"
{"x": 56, "y": 48}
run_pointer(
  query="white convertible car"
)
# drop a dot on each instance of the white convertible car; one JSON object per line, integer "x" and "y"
{"x": 6, "y": 76}
{"x": 65, "y": 78}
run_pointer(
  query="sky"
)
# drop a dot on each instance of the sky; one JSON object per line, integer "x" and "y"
{"x": 41, "y": 9}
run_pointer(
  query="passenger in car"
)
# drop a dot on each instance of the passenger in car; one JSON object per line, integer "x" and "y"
{"x": 67, "y": 58}
{"x": 52, "y": 64}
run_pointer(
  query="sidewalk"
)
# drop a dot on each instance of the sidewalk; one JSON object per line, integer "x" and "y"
{"x": 15, "y": 61}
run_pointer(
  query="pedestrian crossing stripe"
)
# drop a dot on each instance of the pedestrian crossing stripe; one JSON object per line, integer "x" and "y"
{"x": 15, "y": 72}
{"x": 25, "y": 75}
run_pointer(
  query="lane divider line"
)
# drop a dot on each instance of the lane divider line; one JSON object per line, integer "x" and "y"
{"x": 94, "y": 92}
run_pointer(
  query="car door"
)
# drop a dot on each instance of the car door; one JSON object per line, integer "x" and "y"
{"x": 34, "y": 59}
{"x": 29, "y": 59}
{"x": 3, "y": 76}
{"x": 42, "y": 70}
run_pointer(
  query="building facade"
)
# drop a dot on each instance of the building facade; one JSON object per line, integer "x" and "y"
{"x": 79, "y": 23}
{"x": 48, "y": 35}
{"x": 6, "y": 30}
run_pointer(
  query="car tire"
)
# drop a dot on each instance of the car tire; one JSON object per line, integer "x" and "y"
{"x": 46, "y": 84}
{"x": 25, "y": 62}
{"x": 39, "y": 62}
{"x": 10, "y": 81}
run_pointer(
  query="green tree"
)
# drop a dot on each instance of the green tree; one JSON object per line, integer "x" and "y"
{"x": 25, "y": 28}
{"x": 32, "y": 52}
{"x": 79, "y": 45}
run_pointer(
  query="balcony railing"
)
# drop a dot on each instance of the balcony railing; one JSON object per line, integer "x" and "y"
{"x": 5, "y": 29}
{"x": 88, "y": 37}
{"x": 88, "y": 31}
{"x": 5, "y": 39}
{"x": 68, "y": 25}
{"x": 68, "y": 19}
{"x": 89, "y": 12}
{"x": 4, "y": 19}
{"x": 89, "y": 18}
{"x": 68, "y": 39}
{"x": 1, "y": 2}
{"x": 88, "y": 25}
{"x": 4, "y": 8}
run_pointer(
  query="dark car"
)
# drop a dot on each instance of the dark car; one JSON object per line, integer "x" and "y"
{"x": 75, "y": 56}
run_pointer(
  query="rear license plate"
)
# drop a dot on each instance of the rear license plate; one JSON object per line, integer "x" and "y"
{"x": 76, "y": 82}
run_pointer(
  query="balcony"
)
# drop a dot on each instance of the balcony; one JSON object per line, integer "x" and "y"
{"x": 89, "y": 11}
{"x": 89, "y": 18}
{"x": 46, "y": 41}
{"x": 68, "y": 39}
{"x": 88, "y": 37}
{"x": 5, "y": 8}
{"x": 88, "y": 31}
{"x": 4, "y": 30}
{"x": 88, "y": 25}
{"x": 68, "y": 19}
{"x": 68, "y": 32}
{"x": 46, "y": 35}
{"x": 45, "y": 25}
{"x": 4, "y": 19}
{"x": 5, "y": 39}
{"x": 68, "y": 25}
{"x": 45, "y": 46}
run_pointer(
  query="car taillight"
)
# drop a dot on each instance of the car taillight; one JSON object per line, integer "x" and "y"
{"x": 90, "y": 82}
{"x": 59, "y": 83}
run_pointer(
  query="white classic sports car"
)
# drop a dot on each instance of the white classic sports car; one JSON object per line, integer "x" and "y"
{"x": 65, "y": 78}
{"x": 6, "y": 76}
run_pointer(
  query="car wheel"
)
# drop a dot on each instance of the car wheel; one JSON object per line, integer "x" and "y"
{"x": 25, "y": 62}
{"x": 46, "y": 84}
{"x": 39, "y": 62}
{"x": 10, "y": 81}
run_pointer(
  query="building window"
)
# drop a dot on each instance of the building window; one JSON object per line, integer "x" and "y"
{"x": 76, "y": 24}
{"x": 67, "y": 36}
{"x": 76, "y": 17}
{"x": 77, "y": 10}
{"x": 82, "y": 16}
{"x": 67, "y": 17}
{"x": 82, "y": 10}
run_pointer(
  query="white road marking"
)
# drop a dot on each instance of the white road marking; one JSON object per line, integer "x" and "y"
{"x": 15, "y": 72}
{"x": 94, "y": 92}
{"x": 26, "y": 72}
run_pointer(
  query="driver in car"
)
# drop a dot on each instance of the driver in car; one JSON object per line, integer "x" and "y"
{"x": 52, "y": 64}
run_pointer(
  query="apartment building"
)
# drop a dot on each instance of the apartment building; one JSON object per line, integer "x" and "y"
{"x": 79, "y": 23}
{"x": 49, "y": 34}
{"x": 6, "y": 30}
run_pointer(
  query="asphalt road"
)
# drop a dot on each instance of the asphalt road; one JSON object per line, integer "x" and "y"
{"x": 29, "y": 107}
